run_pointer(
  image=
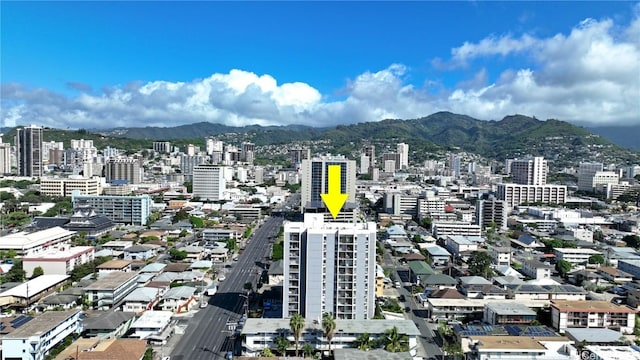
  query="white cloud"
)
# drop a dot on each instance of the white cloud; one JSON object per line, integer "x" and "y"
{"x": 589, "y": 75}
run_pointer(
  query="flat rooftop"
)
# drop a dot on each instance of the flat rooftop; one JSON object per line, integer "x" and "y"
{"x": 515, "y": 342}
{"x": 111, "y": 281}
{"x": 265, "y": 325}
{"x": 27, "y": 240}
{"x": 114, "y": 264}
{"x": 35, "y": 286}
{"x": 590, "y": 306}
{"x": 60, "y": 254}
{"x": 41, "y": 324}
{"x": 512, "y": 308}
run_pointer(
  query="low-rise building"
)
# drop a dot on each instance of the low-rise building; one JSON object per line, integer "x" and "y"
{"x": 178, "y": 299}
{"x": 521, "y": 348}
{"x": 141, "y": 299}
{"x": 508, "y": 313}
{"x": 261, "y": 333}
{"x": 438, "y": 255}
{"x": 139, "y": 252}
{"x": 60, "y": 260}
{"x": 536, "y": 269}
{"x": 151, "y": 323}
{"x": 37, "y": 337}
{"x": 450, "y": 309}
{"x": 614, "y": 275}
{"x": 575, "y": 255}
{"x": 442, "y": 229}
{"x": 114, "y": 266}
{"x": 107, "y": 324}
{"x": 592, "y": 314}
{"x": 29, "y": 292}
{"x": 609, "y": 352}
{"x": 630, "y": 267}
{"x": 459, "y": 244}
{"x": 500, "y": 256}
{"x": 37, "y": 242}
{"x": 111, "y": 289}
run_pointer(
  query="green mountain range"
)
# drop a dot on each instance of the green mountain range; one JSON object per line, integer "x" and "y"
{"x": 513, "y": 136}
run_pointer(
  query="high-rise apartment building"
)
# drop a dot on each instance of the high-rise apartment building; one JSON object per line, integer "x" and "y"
{"x": 455, "y": 165}
{"x": 5, "y": 157}
{"x": 297, "y": 155}
{"x": 213, "y": 145}
{"x": 395, "y": 157}
{"x": 188, "y": 162}
{"x": 530, "y": 171}
{"x": 488, "y": 211}
{"x": 49, "y": 146}
{"x": 29, "y": 151}
{"x": 208, "y": 182}
{"x": 247, "y": 152}
{"x": 162, "y": 146}
{"x": 315, "y": 176}
{"x": 129, "y": 170}
{"x": 403, "y": 154}
{"x": 329, "y": 267}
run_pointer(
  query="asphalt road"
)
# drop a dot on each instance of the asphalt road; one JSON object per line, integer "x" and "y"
{"x": 207, "y": 335}
{"x": 417, "y": 313}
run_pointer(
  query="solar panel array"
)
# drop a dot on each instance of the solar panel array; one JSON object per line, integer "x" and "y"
{"x": 20, "y": 320}
{"x": 515, "y": 330}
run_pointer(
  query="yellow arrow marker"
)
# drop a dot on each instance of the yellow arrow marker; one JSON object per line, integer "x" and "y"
{"x": 334, "y": 199}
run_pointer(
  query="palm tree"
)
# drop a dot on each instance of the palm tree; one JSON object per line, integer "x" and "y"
{"x": 297, "y": 324}
{"x": 394, "y": 341}
{"x": 307, "y": 350}
{"x": 364, "y": 342}
{"x": 329, "y": 327}
{"x": 281, "y": 345}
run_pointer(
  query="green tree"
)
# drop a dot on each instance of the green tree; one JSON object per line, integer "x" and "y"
{"x": 328, "y": 327}
{"x": 266, "y": 352}
{"x": 394, "y": 341}
{"x": 181, "y": 215}
{"x": 452, "y": 349}
{"x": 197, "y": 222}
{"x": 37, "y": 271}
{"x": 281, "y": 345}
{"x": 16, "y": 273}
{"x": 307, "y": 350}
{"x": 596, "y": 259}
{"x": 148, "y": 354}
{"x": 297, "y": 325}
{"x": 632, "y": 240}
{"x": 178, "y": 255}
{"x": 563, "y": 267}
{"x": 364, "y": 342}
{"x": 480, "y": 264}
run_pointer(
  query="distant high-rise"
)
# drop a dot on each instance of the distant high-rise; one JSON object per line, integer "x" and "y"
{"x": 403, "y": 152}
{"x": 208, "y": 182}
{"x": 530, "y": 171}
{"x": 315, "y": 179}
{"x": 455, "y": 165}
{"x": 248, "y": 152}
{"x": 391, "y": 156}
{"x": 162, "y": 146}
{"x": 5, "y": 157}
{"x": 187, "y": 163}
{"x": 370, "y": 152}
{"x": 129, "y": 170}
{"x": 329, "y": 267}
{"x": 29, "y": 151}
{"x": 491, "y": 211}
{"x": 297, "y": 155}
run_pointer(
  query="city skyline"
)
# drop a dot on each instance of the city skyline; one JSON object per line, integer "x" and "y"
{"x": 102, "y": 65}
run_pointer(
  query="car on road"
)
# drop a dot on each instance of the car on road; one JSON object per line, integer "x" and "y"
{"x": 221, "y": 278}
{"x": 402, "y": 298}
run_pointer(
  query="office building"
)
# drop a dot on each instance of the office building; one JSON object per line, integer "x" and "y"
{"x": 491, "y": 211}
{"x": 403, "y": 154}
{"x": 129, "y": 170}
{"x": 64, "y": 187}
{"x": 594, "y": 181}
{"x": 387, "y": 158}
{"x": 315, "y": 174}
{"x": 329, "y": 267}
{"x": 516, "y": 194}
{"x": 209, "y": 182}
{"x": 5, "y": 157}
{"x": 133, "y": 210}
{"x": 29, "y": 151}
{"x": 530, "y": 171}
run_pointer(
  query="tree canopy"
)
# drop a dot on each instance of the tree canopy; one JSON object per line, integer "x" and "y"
{"x": 480, "y": 264}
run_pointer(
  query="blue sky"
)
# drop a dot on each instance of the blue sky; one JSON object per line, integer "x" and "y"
{"x": 103, "y": 64}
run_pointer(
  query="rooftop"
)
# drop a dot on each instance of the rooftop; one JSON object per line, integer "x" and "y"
{"x": 107, "y": 320}
{"x": 153, "y": 320}
{"x": 262, "y": 325}
{"x": 26, "y": 240}
{"x": 114, "y": 264}
{"x": 60, "y": 254}
{"x": 590, "y": 306}
{"x": 35, "y": 286}
{"x": 593, "y": 335}
{"x": 377, "y": 354}
{"x": 614, "y": 352}
{"x": 111, "y": 281}
{"x": 510, "y": 308}
{"x": 515, "y": 342}
{"x": 41, "y": 324}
